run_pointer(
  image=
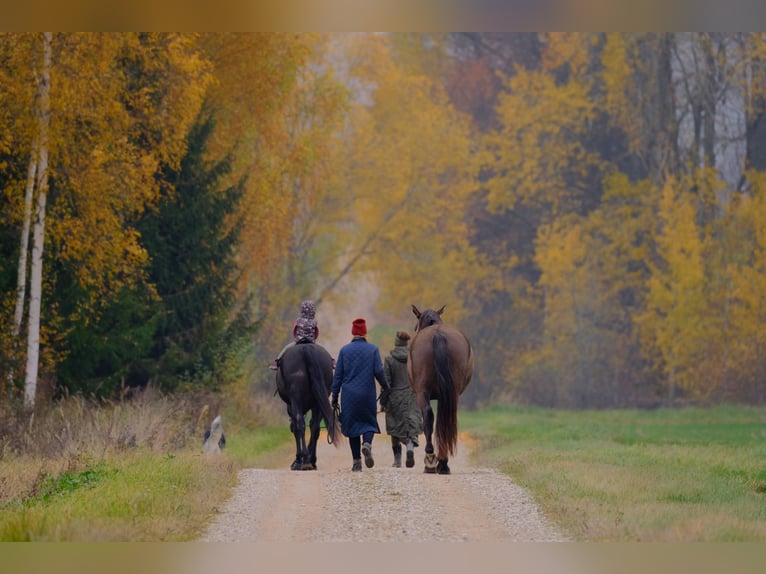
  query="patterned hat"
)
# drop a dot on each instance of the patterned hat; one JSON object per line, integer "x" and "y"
{"x": 308, "y": 309}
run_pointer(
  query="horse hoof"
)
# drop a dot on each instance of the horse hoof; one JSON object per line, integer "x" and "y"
{"x": 429, "y": 470}
{"x": 308, "y": 466}
{"x": 295, "y": 466}
{"x": 442, "y": 467}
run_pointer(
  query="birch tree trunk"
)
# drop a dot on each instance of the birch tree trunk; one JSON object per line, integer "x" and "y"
{"x": 36, "y": 270}
{"x": 21, "y": 284}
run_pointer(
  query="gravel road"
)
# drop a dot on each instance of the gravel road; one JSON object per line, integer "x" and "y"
{"x": 381, "y": 504}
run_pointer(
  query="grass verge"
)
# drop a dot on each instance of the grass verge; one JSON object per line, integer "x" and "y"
{"x": 663, "y": 476}
{"x": 123, "y": 473}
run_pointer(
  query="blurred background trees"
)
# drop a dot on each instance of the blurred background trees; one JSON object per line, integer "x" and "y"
{"x": 587, "y": 205}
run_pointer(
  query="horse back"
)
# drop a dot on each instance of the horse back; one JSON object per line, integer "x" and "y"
{"x": 293, "y": 380}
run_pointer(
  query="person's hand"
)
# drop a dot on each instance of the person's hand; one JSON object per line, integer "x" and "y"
{"x": 383, "y": 400}
{"x": 334, "y": 401}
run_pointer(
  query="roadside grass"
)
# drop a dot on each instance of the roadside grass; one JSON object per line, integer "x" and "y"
{"x": 667, "y": 475}
{"x": 129, "y": 472}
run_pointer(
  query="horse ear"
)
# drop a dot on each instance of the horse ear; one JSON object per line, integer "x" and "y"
{"x": 440, "y": 311}
{"x": 416, "y": 312}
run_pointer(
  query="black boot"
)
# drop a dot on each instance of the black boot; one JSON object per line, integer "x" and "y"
{"x": 357, "y": 467}
{"x": 367, "y": 452}
{"x": 397, "y": 456}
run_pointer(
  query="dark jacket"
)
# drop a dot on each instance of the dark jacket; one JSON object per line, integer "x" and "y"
{"x": 403, "y": 417}
{"x": 357, "y": 368}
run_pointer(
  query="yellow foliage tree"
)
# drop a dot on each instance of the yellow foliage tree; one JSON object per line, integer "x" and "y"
{"x": 410, "y": 180}
{"x": 110, "y": 111}
{"x": 280, "y": 108}
{"x": 674, "y": 326}
{"x": 592, "y": 277}
{"x": 256, "y": 75}
{"x": 740, "y": 296}
{"x": 538, "y": 156}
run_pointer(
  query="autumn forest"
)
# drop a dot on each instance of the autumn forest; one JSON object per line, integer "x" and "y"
{"x": 590, "y": 206}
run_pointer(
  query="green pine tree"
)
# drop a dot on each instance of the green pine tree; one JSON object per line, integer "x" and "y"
{"x": 192, "y": 242}
{"x": 176, "y": 327}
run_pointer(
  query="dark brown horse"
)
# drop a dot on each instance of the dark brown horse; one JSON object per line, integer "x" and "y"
{"x": 440, "y": 366}
{"x": 304, "y": 382}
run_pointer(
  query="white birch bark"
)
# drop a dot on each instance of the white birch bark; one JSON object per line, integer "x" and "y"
{"x": 36, "y": 269}
{"x": 21, "y": 283}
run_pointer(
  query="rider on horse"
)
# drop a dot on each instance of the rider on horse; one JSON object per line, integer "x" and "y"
{"x": 305, "y": 330}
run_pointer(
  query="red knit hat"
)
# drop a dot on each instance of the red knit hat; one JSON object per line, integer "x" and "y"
{"x": 359, "y": 328}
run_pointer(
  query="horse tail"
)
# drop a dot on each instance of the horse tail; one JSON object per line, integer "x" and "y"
{"x": 446, "y": 415}
{"x": 319, "y": 390}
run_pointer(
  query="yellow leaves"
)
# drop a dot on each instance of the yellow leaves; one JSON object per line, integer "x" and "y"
{"x": 675, "y": 319}
{"x": 410, "y": 177}
{"x": 561, "y": 250}
{"x": 745, "y": 233}
{"x": 585, "y": 335}
{"x": 539, "y": 150}
{"x": 618, "y": 83}
{"x": 278, "y": 112}
{"x": 567, "y": 49}
{"x": 121, "y": 104}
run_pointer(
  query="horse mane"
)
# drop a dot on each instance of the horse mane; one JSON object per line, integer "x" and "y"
{"x": 429, "y": 317}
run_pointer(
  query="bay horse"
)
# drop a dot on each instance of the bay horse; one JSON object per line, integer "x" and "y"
{"x": 304, "y": 383}
{"x": 439, "y": 367}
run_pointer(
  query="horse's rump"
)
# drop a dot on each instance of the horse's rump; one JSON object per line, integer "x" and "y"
{"x": 304, "y": 379}
{"x": 458, "y": 353}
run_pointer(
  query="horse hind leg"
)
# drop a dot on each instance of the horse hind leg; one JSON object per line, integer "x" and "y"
{"x": 310, "y": 463}
{"x": 300, "y": 441}
{"x": 296, "y": 465}
{"x": 428, "y": 429}
{"x": 294, "y": 430}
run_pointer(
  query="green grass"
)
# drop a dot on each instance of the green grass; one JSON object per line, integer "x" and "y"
{"x": 249, "y": 446}
{"x": 665, "y": 475}
{"x": 137, "y": 496}
{"x": 134, "y": 470}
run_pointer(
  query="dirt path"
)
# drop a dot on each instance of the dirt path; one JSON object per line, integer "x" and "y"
{"x": 381, "y": 504}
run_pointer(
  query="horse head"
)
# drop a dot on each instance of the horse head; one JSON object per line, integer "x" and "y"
{"x": 427, "y": 317}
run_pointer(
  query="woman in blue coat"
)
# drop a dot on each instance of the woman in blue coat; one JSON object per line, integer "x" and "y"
{"x": 357, "y": 368}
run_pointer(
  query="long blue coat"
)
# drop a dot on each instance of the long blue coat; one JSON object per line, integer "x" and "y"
{"x": 356, "y": 369}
